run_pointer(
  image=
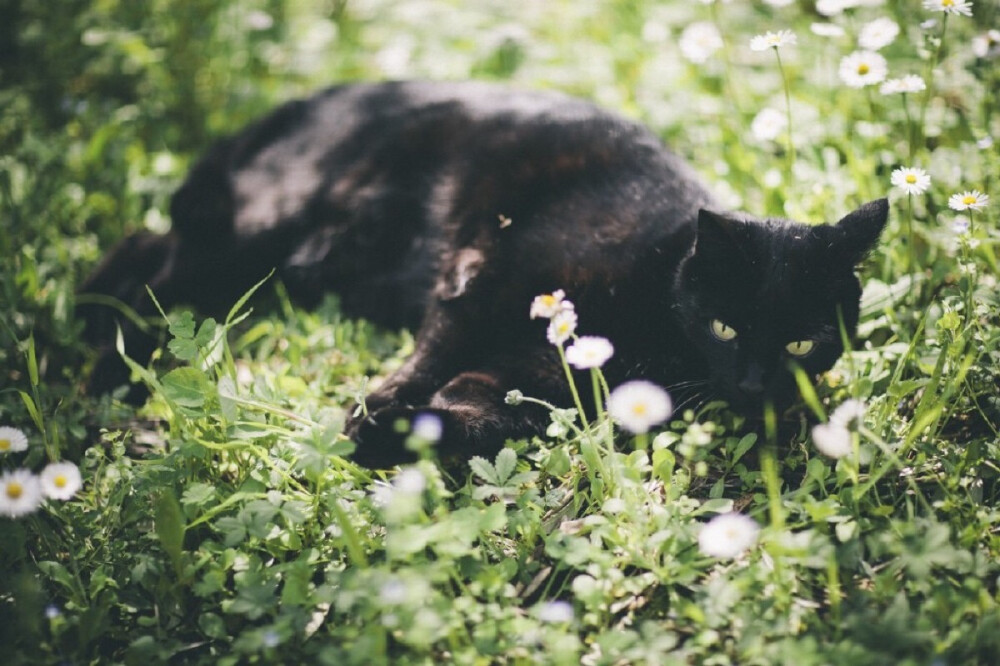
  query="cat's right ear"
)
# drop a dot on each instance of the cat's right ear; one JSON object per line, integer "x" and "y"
{"x": 860, "y": 230}
{"x": 717, "y": 234}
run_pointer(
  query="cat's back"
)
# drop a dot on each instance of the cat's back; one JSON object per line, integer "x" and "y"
{"x": 353, "y": 143}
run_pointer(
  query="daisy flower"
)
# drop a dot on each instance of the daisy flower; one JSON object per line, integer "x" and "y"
{"x": 971, "y": 200}
{"x": 834, "y": 439}
{"x": 589, "y": 351}
{"x": 850, "y": 414}
{"x": 963, "y": 7}
{"x": 911, "y": 180}
{"x": 878, "y": 34}
{"x": 12, "y": 439}
{"x": 863, "y": 68}
{"x": 427, "y": 426}
{"x": 827, "y": 30}
{"x": 20, "y": 493}
{"x": 832, "y": 7}
{"x": 768, "y": 124}
{"x": 911, "y": 83}
{"x": 60, "y": 480}
{"x": 562, "y": 327}
{"x": 986, "y": 45}
{"x": 772, "y": 40}
{"x": 547, "y": 306}
{"x": 728, "y": 535}
{"x": 639, "y": 405}
{"x": 699, "y": 41}
{"x": 555, "y": 612}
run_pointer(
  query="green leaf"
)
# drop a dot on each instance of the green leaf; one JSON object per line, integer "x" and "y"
{"x": 227, "y": 392}
{"x": 36, "y": 416}
{"x": 169, "y": 522}
{"x": 245, "y": 297}
{"x": 743, "y": 446}
{"x": 32, "y": 361}
{"x": 505, "y": 463}
{"x": 484, "y": 470}
{"x": 186, "y": 387}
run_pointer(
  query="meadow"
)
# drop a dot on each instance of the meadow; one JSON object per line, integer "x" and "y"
{"x": 223, "y": 522}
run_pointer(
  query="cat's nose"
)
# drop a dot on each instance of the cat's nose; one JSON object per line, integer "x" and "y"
{"x": 751, "y": 384}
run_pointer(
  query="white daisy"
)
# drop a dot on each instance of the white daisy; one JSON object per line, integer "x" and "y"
{"x": 970, "y": 200}
{"x": 427, "y": 426}
{"x": 768, "y": 124}
{"x": 832, "y": 439}
{"x": 911, "y": 180}
{"x": 986, "y": 45}
{"x": 863, "y": 68}
{"x": 911, "y": 83}
{"x": 555, "y": 612}
{"x": 728, "y": 535}
{"x": 60, "y": 480}
{"x": 639, "y": 405}
{"x": 878, "y": 34}
{"x": 409, "y": 482}
{"x": 772, "y": 40}
{"x": 832, "y": 7}
{"x": 589, "y": 351}
{"x": 827, "y": 30}
{"x": 547, "y": 306}
{"x": 562, "y": 327}
{"x": 699, "y": 41}
{"x": 12, "y": 439}
{"x": 850, "y": 414}
{"x": 20, "y": 493}
{"x": 962, "y": 7}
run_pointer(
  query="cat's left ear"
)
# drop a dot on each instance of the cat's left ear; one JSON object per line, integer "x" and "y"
{"x": 860, "y": 230}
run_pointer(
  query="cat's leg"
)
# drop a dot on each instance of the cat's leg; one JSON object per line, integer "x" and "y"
{"x": 122, "y": 276}
{"x": 206, "y": 274}
{"x": 471, "y": 410}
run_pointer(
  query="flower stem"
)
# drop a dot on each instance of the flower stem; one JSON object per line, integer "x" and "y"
{"x": 572, "y": 389}
{"x": 930, "y": 72}
{"x": 912, "y": 261}
{"x": 788, "y": 112}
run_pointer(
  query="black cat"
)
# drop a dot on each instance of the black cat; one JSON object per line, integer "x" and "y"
{"x": 448, "y": 207}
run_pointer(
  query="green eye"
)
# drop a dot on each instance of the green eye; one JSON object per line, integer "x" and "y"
{"x": 800, "y": 348}
{"x": 722, "y": 331}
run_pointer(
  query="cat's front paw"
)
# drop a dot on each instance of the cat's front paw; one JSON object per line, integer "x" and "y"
{"x": 382, "y": 437}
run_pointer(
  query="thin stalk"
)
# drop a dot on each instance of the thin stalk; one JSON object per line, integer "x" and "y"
{"x": 788, "y": 112}
{"x": 930, "y": 72}
{"x": 573, "y": 390}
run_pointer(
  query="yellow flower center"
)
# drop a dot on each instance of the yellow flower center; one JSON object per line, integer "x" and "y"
{"x": 910, "y": 178}
{"x": 4, "y": 445}
{"x": 968, "y": 199}
{"x": 548, "y": 300}
{"x": 947, "y": 3}
{"x": 60, "y": 481}
{"x": 863, "y": 69}
{"x": 639, "y": 409}
{"x": 14, "y": 490}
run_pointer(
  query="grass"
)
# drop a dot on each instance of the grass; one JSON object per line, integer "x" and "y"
{"x": 223, "y": 522}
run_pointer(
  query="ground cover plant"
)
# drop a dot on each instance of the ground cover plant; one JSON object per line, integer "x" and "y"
{"x": 223, "y": 522}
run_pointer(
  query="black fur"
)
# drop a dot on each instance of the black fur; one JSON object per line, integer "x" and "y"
{"x": 391, "y": 195}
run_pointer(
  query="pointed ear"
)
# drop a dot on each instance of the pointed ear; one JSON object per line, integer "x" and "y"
{"x": 716, "y": 232}
{"x": 860, "y": 230}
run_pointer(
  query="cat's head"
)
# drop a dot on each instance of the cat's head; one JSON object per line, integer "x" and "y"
{"x": 756, "y": 296}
